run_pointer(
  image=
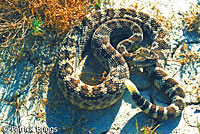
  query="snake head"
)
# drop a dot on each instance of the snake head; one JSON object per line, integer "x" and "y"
{"x": 143, "y": 57}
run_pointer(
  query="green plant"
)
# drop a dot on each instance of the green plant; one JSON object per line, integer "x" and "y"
{"x": 98, "y": 4}
{"x": 37, "y": 26}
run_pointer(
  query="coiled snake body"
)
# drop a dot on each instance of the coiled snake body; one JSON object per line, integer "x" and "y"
{"x": 127, "y": 27}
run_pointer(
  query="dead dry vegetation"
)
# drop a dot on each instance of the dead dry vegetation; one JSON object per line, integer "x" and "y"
{"x": 17, "y": 17}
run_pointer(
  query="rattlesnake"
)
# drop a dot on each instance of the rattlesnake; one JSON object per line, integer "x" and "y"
{"x": 123, "y": 28}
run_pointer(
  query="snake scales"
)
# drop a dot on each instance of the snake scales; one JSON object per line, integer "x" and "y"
{"x": 124, "y": 29}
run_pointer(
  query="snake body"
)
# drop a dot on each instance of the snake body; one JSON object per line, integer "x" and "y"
{"x": 114, "y": 36}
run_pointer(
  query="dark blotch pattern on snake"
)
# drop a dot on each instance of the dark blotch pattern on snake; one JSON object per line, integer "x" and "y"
{"x": 98, "y": 29}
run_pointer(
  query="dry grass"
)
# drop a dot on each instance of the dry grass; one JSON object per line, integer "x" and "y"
{"x": 149, "y": 128}
{"x": 12, "y": 26}
{"x": 192, "y": 19}
{"x": 16, "y": 17}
